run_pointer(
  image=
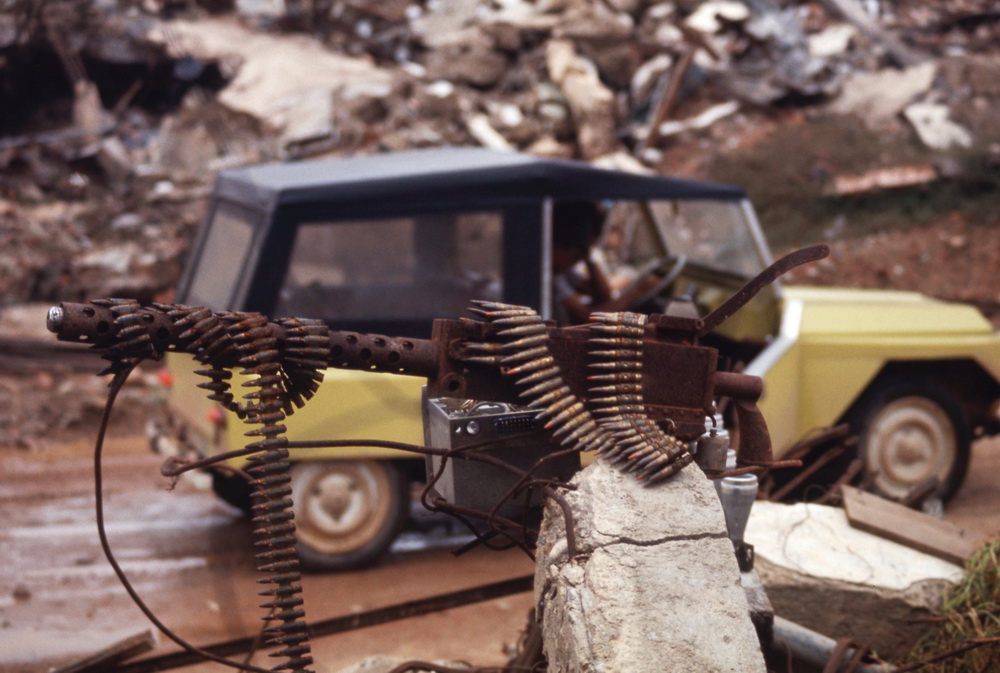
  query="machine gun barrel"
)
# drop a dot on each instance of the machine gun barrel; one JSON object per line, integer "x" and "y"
{"x": 100, "y": 326}
{"x": 678, "y": 383}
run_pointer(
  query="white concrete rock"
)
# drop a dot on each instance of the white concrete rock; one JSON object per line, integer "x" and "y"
{"x": 935, "y": 128}
{"x": 842, "y": 582}
{"x": 877, "y": 97}
{"x": 271, "y": 83}
{"x": 654, "y": 585}
{"x": 818, "y": 541}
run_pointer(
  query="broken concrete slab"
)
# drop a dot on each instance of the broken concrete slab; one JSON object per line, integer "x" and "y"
{"x": 817, "y": 540}
{"x": 446, "y": 23}
{"x": 270, "y": 81}
{"x": 471, "y": 63}
{"x": 878, "y": 97}
{"x": 832, "y": 40}
{"x": 933, "y": 125}
{"x": 203, "y": 137}
{"x": 654, "y": 585}
{"x": 709, "y": 17}
{"x": 842, "y": 582}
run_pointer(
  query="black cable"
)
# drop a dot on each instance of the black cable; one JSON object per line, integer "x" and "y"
{"x": 120, "y": 376}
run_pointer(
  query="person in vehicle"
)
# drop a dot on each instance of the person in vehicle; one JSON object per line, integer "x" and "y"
{"x": 581, "y": 283}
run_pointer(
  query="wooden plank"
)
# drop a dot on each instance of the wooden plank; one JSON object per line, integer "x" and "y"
{"x": 113, "y": 654}
{"x": 942, "y": 539}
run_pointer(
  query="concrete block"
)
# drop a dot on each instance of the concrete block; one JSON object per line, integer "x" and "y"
{"x": 842, "y": 582}
{"x": 654, "y": 585}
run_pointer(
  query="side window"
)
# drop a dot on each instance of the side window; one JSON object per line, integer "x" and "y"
{"x": 412, "y": 268}
{"x": 630, "y": 239}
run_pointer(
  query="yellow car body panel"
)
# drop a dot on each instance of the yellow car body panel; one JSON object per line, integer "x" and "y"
{"x": 833, "y": 342}
{"x": 349, "y": 405}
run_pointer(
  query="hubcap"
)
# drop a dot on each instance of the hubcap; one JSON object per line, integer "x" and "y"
{"x": 340, "y": 506}
{"x": 910, "y": 440}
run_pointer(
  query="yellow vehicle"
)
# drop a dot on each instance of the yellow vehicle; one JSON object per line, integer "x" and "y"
{"x": 384, "y": 244}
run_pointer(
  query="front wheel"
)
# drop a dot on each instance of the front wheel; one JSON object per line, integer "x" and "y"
{"x": 347, "y": 512}
{"x": 911, "y": 432}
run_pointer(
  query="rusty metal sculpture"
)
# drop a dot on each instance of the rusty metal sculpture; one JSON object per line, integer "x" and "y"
{"x": 634, "y": 388}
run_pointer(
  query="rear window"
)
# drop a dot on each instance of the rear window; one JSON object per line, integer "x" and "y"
{"x": 410, "y": 268}
{"x": 221, "y": 258}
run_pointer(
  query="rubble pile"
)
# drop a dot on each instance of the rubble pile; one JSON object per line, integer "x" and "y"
{"x": 115, "y": 116}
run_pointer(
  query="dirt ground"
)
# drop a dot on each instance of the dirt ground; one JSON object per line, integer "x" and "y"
{"x": 953, "y": 259}
{"x": 190, "y": 558}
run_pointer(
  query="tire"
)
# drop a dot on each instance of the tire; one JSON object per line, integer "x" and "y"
{"x": 910, "y": 432}
{"x": 233, "y": 489}
{"x": 347, "y": 512}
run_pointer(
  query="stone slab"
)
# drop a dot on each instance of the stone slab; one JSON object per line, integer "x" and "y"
{"x": 654, "y": 585}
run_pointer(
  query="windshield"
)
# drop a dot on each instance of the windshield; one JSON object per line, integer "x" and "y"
{"x": 712, "y": 234}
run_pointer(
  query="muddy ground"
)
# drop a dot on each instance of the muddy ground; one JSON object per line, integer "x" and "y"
{"x": 78, "y": 222}
{"x": 190, "y": 558}
{"x": 190, "y": 555}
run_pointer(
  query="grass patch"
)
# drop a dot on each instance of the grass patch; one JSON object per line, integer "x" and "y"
{"x": 970, "y": 618}
{"x": 787, "y": 173}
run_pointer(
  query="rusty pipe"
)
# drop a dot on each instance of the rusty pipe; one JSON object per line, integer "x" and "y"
{"x": 95, "y": 325}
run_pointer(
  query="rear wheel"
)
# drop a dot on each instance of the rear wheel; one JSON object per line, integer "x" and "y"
{"x": 911, "y": 432}
{"x": 232, "y": 488}
{"x": 347, "y": 512}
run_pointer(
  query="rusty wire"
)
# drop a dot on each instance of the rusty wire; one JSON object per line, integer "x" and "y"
{"x": 174, "y": 467}
{"x": 117, "y": 382}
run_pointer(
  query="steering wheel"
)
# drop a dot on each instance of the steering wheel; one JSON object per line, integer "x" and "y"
{"x": 672, "y": 264}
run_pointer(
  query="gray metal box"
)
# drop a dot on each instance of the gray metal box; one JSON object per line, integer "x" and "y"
{"x": 513, "y": 435}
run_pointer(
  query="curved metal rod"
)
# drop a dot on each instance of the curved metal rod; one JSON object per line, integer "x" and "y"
{"x": 793, "y": 259}
{"x": 116, "y": 385}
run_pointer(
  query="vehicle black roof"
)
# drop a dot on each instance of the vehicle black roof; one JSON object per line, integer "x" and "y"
{"x": 454, "y": 176}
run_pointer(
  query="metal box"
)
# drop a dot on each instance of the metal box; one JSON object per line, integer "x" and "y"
{"x": 505, "y": 432}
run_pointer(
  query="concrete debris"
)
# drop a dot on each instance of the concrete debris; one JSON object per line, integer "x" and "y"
{"x": 710, "y": 17}
{"x": 879, "y": 97}
{"x": 590, "y": 102}
{"x": 654, "y": 584}
{"x": 139, "y": 109}
{"x": 824, "y": 574}
{"x": 934, "y": 127}
{"x": 270, "y": 84}
{"x": 700, "y": 121}
{"x": 479, "y": 127}
{"x": 832, "y": 40}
